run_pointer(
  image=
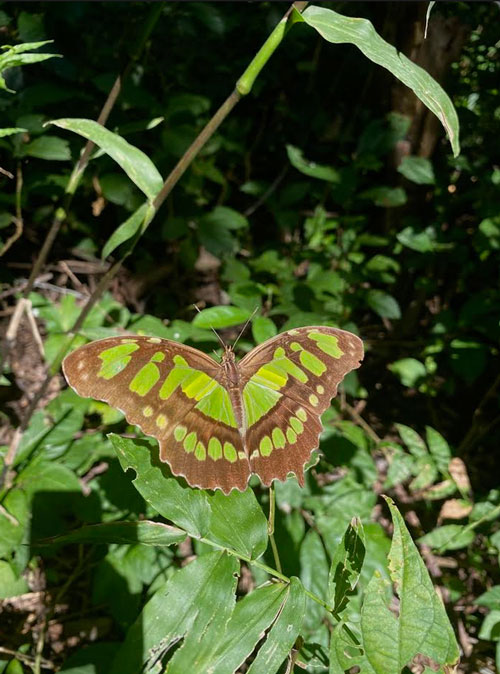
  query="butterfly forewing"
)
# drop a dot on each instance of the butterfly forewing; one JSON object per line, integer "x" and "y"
{"x": 173, "y": 393}
{"x": 287, "y": 383}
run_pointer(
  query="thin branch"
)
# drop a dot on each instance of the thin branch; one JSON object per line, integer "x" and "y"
{"x": 19, "y": 224}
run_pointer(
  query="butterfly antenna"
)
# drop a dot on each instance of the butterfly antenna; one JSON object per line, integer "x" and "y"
{"x": 245, "y": 326}
{"x": 213, "y": 329}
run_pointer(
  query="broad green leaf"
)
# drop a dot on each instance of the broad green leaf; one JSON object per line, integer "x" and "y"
{"x": 490, "y": 628}
{"x": 139, "y": 168}
{"x": 11, "y": 584}
{"x": 224, "y": 653}
{"x": 422, "y": 627}
{"x": 197, "y": 598}
{"x": 346, "y": 565}
{"x": 439, "y": 449}
{"x": 141, "y": 531}
{"x": 339, "y": 29}
{"x": 135, "y": 224}
{"x": 448, "y": 537}
{"x": 400, "y": 467}
{"x": 187, "y": 508}
{"x": 14, "y": 519}
{"x": 283, "y": 634}
{"x": 490, "y": 598}
{"x": 417, "y": 169}
{"x": 426, "y": 473}
{"x": 409, "y": 370}
{"x": 412, "y": 440}
{"x": 225, "y": 217}
{"x": 235, "y": 521}
{"x": 314, "y": 575}
{"x": 47, "y": 147}
{"x": 383, "y": 304}
{"x": 263, "y": 328}
{"x": 221, "y": 317}
{"x": 310, "y": 168}
{"x": 386, "y": 197}
{"x": 42, "y": 475}
{"x": 238, "y": 522}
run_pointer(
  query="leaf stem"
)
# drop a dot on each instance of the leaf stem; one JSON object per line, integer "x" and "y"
{"x": 270, "y": 526}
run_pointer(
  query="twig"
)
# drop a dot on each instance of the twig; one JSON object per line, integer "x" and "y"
{"x": 19, "y": 214}
{"x": 27, "y": 659}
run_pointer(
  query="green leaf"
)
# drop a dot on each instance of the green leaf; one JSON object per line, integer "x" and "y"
{"x": 412, "y": 440}
{"x": 235, "y": 521}
{"x": 16, "y": 56}
{"x": 197, "y": 598}
{"x": 283, "y": 634}
{"x": 141, "y": 531}
{"x": 439, "y": 449}
{"x": 263, "y": 328}
{"x": 47, "y": 147}
{"x": 383, "y": 304}
{"x": 346, "y": 565}
{"x": 11, "y": 584}
{"x": 186, "y": 507}
{"x": 339, "y": 29}
{"x": 423, "y": 241}
{"x": 390, "y": 642}
{"x": 310, "y": 168}
{"x": 225, "y": 217}
{"x": 224, "y": 654}
{"x": 11, "y": 131}
{"x": 448, "y": 537}
{"x": 314, "y": 575}
{"x": 490, "y": 629}
{"x": 135, "y": 224}
{"x": 139, "y": 168}
{"x": 490, "y": 598}
{"x": 417, "y": 169}
{"x": 409, "y": 370}
{"x": 14, "y": 519}
{"x": 223, "y": 316}
{"x": 386, "y": 197}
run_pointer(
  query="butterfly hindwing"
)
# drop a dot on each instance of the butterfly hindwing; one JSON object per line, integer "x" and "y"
{"x": 287, "y": 383}
{"x": 173, "y": 393}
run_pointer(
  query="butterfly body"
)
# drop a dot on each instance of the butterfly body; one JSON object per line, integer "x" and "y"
{"x": 218, "y": 423}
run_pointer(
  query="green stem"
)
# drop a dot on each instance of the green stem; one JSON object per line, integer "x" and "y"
{"x": 245, "y": 83}
{"x": 270, "y": 526}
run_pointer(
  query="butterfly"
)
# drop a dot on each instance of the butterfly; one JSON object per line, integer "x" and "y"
{"x": 218, "y": 423}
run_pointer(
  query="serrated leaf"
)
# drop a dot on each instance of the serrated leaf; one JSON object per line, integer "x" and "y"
{"x": 383, "y": 304}
{"x": 263, "y": 328}
{"x": 346, "y": 565}
{"x": 310, "y": 168}
{"x": 339, "y": 29}
{"x": 196, "y": 598}
{"x": 224, "y": 316}
{"x": 422, "y": 627}
{"x": 141, "y": 531}
{"x": 135, "y": 224}
{"x": 137, "y": 165}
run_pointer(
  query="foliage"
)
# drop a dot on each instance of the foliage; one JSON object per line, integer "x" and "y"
{"x": 285, "y": 223}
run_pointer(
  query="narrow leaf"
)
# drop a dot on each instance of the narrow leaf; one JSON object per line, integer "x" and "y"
{"x": 139, "y": 168}
{"x": 310, "y": 168}
{"x": 135, "y": 224}
{"x": 142, "y": 531}
{"x": 346, "y": 565}
{"x": 283, "y": 634}
{"x": 339, "y": 29}
{"x": 412, "y": 440}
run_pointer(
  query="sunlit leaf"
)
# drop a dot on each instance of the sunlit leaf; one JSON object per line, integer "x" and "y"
{"x": 223, "y": 316}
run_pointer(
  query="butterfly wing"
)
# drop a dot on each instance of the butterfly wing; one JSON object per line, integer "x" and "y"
{"x": 173, "y": 393}
{"x": 288, "y": 382}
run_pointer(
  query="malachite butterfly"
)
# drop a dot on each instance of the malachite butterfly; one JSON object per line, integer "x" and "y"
{"x": 218, "y": 423}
